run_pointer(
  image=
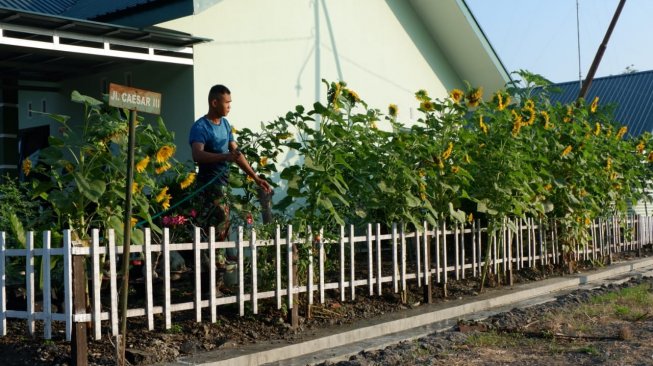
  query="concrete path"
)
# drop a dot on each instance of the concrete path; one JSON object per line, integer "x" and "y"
{"x": 413, "y": 323}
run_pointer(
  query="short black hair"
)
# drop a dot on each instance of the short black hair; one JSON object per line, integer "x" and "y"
{"x": 217, "y": 90}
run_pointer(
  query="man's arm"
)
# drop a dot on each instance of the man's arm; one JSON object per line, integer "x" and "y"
{"x": 204, "y": 157}
{"x": 244, "y": 165}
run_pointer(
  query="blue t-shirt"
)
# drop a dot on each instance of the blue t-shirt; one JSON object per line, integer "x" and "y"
{"x": 216, "y": 139}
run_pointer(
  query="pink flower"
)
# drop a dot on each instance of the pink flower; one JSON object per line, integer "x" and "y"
{"x": 250, "y": 219}
{"x": 193, "y": 213}
{"x": 166, "y": 220}
{"x": 179, "y": 220}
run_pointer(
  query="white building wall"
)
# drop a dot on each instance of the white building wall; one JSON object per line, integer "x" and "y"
{"x": 264, "y": 51}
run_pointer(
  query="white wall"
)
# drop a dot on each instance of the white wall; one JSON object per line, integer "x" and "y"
{"x": 264, "y": 52}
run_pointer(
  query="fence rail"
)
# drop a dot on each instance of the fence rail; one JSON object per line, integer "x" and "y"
{"x": 368, "y": 262}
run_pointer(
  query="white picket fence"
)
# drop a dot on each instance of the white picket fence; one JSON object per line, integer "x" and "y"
{"x": 529, "y": 246}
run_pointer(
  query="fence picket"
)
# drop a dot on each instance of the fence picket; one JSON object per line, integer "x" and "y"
{"x": 427, "y": 262}
{"x": 197, "y": 271}
{"x": 213, "y": 304}
{"x": 68, "y": 283}
{"x": 277, "y": 246}
{"x": 321, "y": 265}
{"x": 47, "y": 286}
{"x": 113, "y": 283}
{"x": 96, "y": 280}
{"x": 309, "y": 242}
{"x": 149, "y": 289}
{"x": 444, "y": 251}
{"x": 167, "y": 295}
{"x": 241, "y": 272}
{"x": 462, "y": 251}
{"x": 29, "y": 281}
{"x": 456, "y": 236}
{"x": 436, "y": 233}
{"x": 402, "y": 237}
{"x": 254, "y": 251}
{"x": 370, "y": 261}
{"x": 342, "y": 263}
{"x": 474, "y": 273}
{"x": 352, "y": 264}
{"x": 418, "y": 258}
{"x": 395, "y": 266}
{"x": 291, "y": 285}
{"x": 379, "y": 277}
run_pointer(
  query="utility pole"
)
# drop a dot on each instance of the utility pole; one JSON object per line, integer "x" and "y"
{"x": 601, "y": 50}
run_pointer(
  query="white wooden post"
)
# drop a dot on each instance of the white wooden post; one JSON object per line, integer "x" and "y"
{"x": 3, "y": 290}
{"x": 370, "y": 261}
{"x": 456, "y": 237}
{"x": 213, "y": 304}
{"x": 113, "y": 283}
{"x": 436, "y": 232}
{"x": 342, "y": 263}
{"x": 96, "y": 279}
{"x": 395, "y": 267}
{"x": 418, "y": 258}
{"x": 47, "y": 286}
{"x": 241, "y": 273}
{"x": 479, "y": 252}
{"x": 197, "y": 266}
{"x": 444, "y": 251}
{"x": 474, "y": 238}
{"x": 402, "y": 236}
{"x": 309, "y": 288}
{"x": 254, "y": 250}
{"x": 321, "y": 265}
{"x": 291, "y": 286}
{"x": 68, "y": 283}
{"x": 352, "y": 273}
{"x": 277, "y": 245}
{"x": 495, "y": 262}
{"x": 167, "y": 306}
{"x": 462, "y": 251}
{"x": 149, "y": 289}
{"x": 379, "y": 282}
{"x": 427, "y": 261}
{"x": 29, "y": 281}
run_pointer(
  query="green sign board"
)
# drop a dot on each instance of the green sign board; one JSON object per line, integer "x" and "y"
{"x": 134, "y": 99}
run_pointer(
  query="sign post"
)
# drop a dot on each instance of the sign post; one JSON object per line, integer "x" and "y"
{"x": 148, "y": 102}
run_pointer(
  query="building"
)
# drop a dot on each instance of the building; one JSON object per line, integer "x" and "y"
{"x": 272, "y": 54}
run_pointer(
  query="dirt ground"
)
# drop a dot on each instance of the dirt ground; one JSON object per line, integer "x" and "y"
{"x": 231, "y": 331}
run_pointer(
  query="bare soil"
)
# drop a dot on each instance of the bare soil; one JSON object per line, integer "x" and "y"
{"x": 231, "y": 331}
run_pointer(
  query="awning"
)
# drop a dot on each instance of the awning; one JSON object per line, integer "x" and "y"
{"x": 41, "y": 47}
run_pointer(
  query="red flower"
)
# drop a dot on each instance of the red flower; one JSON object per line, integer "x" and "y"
{"x": 250, "y": 219}
{"x": 193, "y": 213}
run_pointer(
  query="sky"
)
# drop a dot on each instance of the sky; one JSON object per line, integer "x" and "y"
{"x": 541, "y": 35}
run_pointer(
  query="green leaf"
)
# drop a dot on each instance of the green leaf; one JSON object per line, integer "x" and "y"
{"x": 76, "y": 97}
{"x": 92, "y": 190}
{"x": 284, "y": 203}
{"x": 384, "y": 187}
{"x": 458, "y": 215}
{"x": 308, "y": 162}
{"x": 17, "y": 229}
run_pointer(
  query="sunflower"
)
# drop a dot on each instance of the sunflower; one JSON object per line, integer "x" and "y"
{"x": 133, "y": 221}
{"x": 353, "y": 96}
{"x": 422, "y": 95}
{"x": 474, "y": 96}
{"x": 608, "y": 164}
{"x": 597, "y": 129}
{"x": 263, "y": 161}
{"x": 567, "y": 117}
{"x": 547, "y": 121}
{"x": 162, "y": 194}
{"x": 141, "y": 165}
{"x": 166, "y": 202}
{"x": 455, "y": 169}
{"x": 517, "y": 123}
{"x": 548, "y": 187}
{"x": 531, "y": 115}
{"x": 134, "y": 187}
{"x": 650, "y": 157}
{"x": 447, "y": 153}
{"x": 501, "y": 100}
{"x": 594, "y": 105}
{"x": 164, "y": 153}
{"x": 392, "y": 110}
{"x": 482, "y": 125}
{"x": 640, "y": 147}
{"x": 456, "y": 95}
{"x": 622, "y": 131}
{"x": 190, "y": 178}
{"x": 27, "y": 166}
{"x": 566, "y": 151}
{"x": 163, "y": 167}
{"x": 427, "y": 106}
{"x": 234, "y": 130}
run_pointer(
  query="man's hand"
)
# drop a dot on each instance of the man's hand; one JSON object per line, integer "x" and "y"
{"x": 263, "y": 184}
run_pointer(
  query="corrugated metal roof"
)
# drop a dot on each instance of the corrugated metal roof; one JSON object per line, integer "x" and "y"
{"x": 631, "y": 93}
{"x": 54, "y": 7}
{"x": 79, "y": 9}
{"x": 90, "y": 9}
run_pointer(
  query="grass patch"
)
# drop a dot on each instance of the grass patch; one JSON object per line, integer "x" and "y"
{"x": 494, "y": 339}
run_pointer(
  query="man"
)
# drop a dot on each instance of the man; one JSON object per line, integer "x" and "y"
{"x": 213, "y": 149}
